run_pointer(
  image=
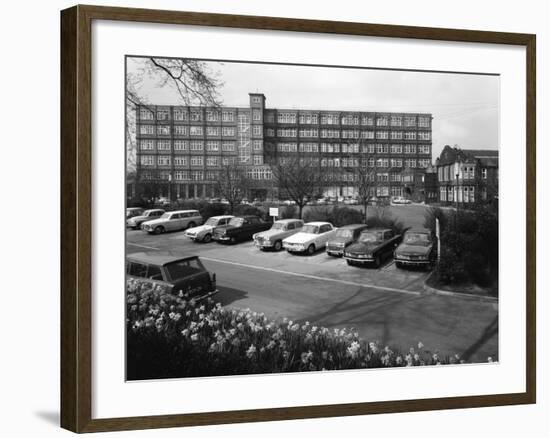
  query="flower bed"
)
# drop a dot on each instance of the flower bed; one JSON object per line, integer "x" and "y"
{"x": 171, "y": 336}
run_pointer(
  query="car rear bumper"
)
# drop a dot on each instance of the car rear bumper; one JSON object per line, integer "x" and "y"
{"x": 221, "y": 239}
{"x": 360, "y": 260}
{"x": 335, "y": 252}
{"x": 412, "y": 262}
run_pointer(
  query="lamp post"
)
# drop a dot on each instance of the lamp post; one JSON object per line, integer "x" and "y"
{"x": 456, "y": 203}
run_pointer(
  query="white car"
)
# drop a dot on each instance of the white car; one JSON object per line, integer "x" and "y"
{"x": 313, "y": 236}
{"x": 172, "y": 221}
{"x": 204, "y": 232}
{"x": 399, "y": 200}
{"x": 280, "y": 230}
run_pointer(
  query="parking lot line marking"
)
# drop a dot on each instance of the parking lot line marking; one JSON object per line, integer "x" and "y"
{"x": 313, "y": 277}
{"x": 141, "y": 246}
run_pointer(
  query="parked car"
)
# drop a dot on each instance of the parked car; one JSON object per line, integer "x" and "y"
{"x": 419, "y": 248}
{"x": 289, "y": 202}
{"x": 184, "y": 274}
{"x": 344, "y": 237}
{"x": 203, "y": 233}
{"x": 312, "y": 236}
{"x": 281, "y": 229}
{"x": 133, "y": 211}
{"x": 351, "y": 201}
{"x": 162, "y": 202}
{"x": 400, "y": 200}
{"x": 373, "y": 246}
{"x": 240, "y": 228}
{"x": 172, "y": 221}
{"x": 136, "y": 221}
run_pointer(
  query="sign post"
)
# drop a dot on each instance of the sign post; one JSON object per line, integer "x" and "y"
{"x": 274, "y": 212}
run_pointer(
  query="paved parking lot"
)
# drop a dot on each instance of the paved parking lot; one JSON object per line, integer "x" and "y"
{"x": 385, "y": 304}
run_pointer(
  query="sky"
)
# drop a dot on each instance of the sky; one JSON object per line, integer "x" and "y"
{"x": 464, "y": 106}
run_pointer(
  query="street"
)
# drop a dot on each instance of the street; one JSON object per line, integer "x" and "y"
{"x": 386, "y": 305}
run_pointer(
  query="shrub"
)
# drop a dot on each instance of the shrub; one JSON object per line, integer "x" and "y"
{"x": 384, "y": 219}
{"x": 288, "y": 212}
{"x": 341, "y": 216}
{"x": 320, "y": 213}
{"x": 433, "y": 213}
{"x": 169, "y": 336}
{"x": 244, "y": 210}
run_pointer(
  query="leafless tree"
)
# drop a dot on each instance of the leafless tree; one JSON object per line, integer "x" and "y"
{"x": 298, "y": 177}
{"x": 233, "y": 183}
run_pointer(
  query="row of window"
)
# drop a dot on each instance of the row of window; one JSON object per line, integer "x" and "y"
{"x": 378, "y": 163}
{"x": 462, "y": 194}
{"x": 195, "y": 131}
{"x": 166, "y": 160}
{"x": 194, "y": 115}
{"x": 292, "y": 117}
{"x": 348, "y": 133}
{"x": 452, "y": 171}
{"x": 200, "y": 175}
{"x": 196, "y": 146}
{"x": 354, "y": 148}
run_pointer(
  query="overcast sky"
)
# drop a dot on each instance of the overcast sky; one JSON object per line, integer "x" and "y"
{"x": 464, "y": 106}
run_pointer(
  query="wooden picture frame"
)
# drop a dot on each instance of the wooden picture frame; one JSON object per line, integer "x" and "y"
{"x": 76, "y": 226}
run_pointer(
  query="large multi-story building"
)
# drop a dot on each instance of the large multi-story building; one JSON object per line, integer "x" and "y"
{"x": 180, "y": 150}
{"x": 467, "y": 176}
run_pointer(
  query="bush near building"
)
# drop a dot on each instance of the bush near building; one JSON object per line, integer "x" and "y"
{"x": 169, "y": 336}
{"x": 469, "y": 247}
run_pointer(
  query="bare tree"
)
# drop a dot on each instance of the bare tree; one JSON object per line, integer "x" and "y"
{"x": 298, "y": 177}
{"x": 233, "y": 183}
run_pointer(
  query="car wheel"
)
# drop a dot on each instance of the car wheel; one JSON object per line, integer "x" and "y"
{"x": 349, "y": 262}
{"x": 311, "y": 249}
{"x": 207, "y": 238}
{"x": 278, "y": 245}
{"x": 159, "y": 230}
{"x": 398, "y": 265}
{"x": 191, "y": 225}
{"x": 377, "y": 262}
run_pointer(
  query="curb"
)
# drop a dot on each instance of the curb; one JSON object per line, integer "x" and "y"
{"x": 429, "y": 290}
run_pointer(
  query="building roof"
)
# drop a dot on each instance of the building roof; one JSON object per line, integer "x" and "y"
{"x": 450, "y": 155}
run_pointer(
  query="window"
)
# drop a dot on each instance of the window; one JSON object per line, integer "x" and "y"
{"x": 163, "y": 130}
{"x": 396, "y": 149}
{"x": 423, "y": 149}
{"x": 180, "y": 114}
{"x": 424, "y": 135}
{"x": 367, "y": 121}
{"x": 350, "y": 119}
{"x": 228, "y": 131}
{"x": 197, "y": 146}
{"x": 382, "y": 162}
{"x": 256, "y": 115}
{"x": 410, "y": 135}
{"x": 308, "y": 119}
{"x": 397, "y": 191}
{"x": 424, "y": 122}
{"x": 395, "y": 120}
{"x": 212, "y": 161}
{"x": 330, "y": 133}
{"x": 258, "y": 160}
{"x": 163, "y": 145}
{"x": 309, "y": 147}
{"x": 286, "y": 132}
{"x": 442, "y": 193}
{"x": 410, "y": 121}
{"x": 367, "y": 134}
{"x": 195, "y": 130}
{"x": 228, "y": 116}
{"x": 330, "y": 119}
{"x": 395, "y": 177}
{"x": 145, "y": 114}
{"x": 212, "y": 116}
{"x": 256, "y": 99}
{"x": 286, "y": 147}
{"x": 147, "y": 160}
{"x": 180, "y": 161}
{"x": 197, "y": 175}
{"x": 147, "y": 129}
{"x": 423, "y": 163}
{"x": 212, "y": 131}
{"x": 309, "y": 133}
{"x": 286, "y": 117}
{"x": 484, "y": 173}
{"x": 382, "y": 134}
{"x": 181, "y": 175}
{"x": 181, "y": 145}
{"x": 270, "y": 132}
{"x": 163, "y": 115}
{"x": 410, "y": 149}
{"x": 163, "y": 160}
{"x": 396, "y": 135}
{"x": 368, "y": 149}
{"x": 410, "y": 163}
{"x": 147, "y": 145}
{"x": 382, "y": 191}
{"x": 382, "y": 121}
{"x": 180, "y": 130}
{"x": 196, "y": 116}
{"x": 396, "y": 162}
{"x": 257, "y": 145}
{"x": 382, "y": 148}
{"x": 196, "y": 161}
{"x": 213, "y": 146}
{"x": 228, "y": 146}
{"x": 350, "y": 133}
{"x": 257, "y": 130}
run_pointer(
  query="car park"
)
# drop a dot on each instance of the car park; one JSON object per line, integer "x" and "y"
{"x": 418, "y": 248}
{"x": 240, "y": 228}
{"x": 136, "y": 221}
{"x": 312, "y": 236}
{"x": 344, "y": 237}
{"x": 373, "y": 247}
{"x": 184, "y": 274}
{"x": 133, "y": 211}
{"x": 281, "y": 229}
{"x": 204, "y": 233}
{"x": 173, "y": 221}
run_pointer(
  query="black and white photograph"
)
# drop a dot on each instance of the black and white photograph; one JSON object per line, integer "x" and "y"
{"x": 284, "y": 218}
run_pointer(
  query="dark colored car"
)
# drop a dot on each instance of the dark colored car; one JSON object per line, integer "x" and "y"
{"x": 419, "y": 248}
{"x": 344, "y": 237}
{"x": 185, "y": 274}
{"x": 240, "y": 228}
{"x": 373, "y": 246}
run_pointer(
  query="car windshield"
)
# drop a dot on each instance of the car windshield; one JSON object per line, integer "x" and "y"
{"x": 344, "y": 233}
{"x": 371, "y": 236}
{"x": 211, "y": 221}
{"x": 165, "y": 216}
{"x": 417, "y": 239}
{"x": 278, "y": 226}
{"x": 312, "y": 229}
{"x": 148, "y": 212}
{"x": 236, "y": 221}
{"x": 184, "y": 268}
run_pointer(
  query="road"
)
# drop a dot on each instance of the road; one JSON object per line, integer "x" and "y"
{"x": 386, "y": 305}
